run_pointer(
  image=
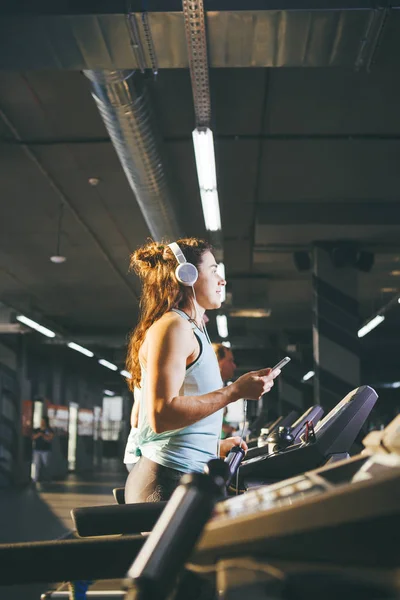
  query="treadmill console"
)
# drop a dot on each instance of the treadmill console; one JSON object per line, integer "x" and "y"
{"x": 272, "y": 496}
{"x": 338, "y": 409}
{"x": 334, "y": 436}
{"x": 355, "y": 502}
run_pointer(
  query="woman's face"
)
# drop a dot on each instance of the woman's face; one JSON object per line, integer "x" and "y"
{"x": 209, "y": 283}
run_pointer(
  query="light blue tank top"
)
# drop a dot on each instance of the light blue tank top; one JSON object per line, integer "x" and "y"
{"x": 190, "y": 448}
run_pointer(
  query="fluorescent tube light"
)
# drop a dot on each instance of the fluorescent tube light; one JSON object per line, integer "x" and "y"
{"x": 370, "y": 325}
{"x": 222, "y": 326}
{"x": 203, "y": 142}
{"x": 107, "y": 364}
{"x": 80, "y": 349}
{"x": 393, "y": 385}
{"x": 210, "y": 205}
{"x": 126, "y": 374}
{"x": 34, "y": 325}
{"x": 308, "y": 375}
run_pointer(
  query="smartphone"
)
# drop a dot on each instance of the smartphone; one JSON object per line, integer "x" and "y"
{"x": 282, "y": 363}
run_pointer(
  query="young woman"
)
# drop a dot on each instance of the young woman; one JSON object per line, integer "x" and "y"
{"x": 175, "y": 373}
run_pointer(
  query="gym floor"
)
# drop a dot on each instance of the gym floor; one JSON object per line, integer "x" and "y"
{"x": 42, "y": 512}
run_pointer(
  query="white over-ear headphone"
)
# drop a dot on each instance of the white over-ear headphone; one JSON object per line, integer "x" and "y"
{"x": 186, "y": 273}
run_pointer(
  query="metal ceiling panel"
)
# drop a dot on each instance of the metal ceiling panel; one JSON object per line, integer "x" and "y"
{"x": 263, "y": 38}
{"x": 284, "y": 38}
{"x": 298, "y": 170}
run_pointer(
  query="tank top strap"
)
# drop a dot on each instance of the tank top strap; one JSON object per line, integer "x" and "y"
{"x": 197, "y": 330}
{"x": 185, "y": 316}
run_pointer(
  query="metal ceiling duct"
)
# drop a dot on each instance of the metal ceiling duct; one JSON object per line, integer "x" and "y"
{"x": 124, "y": 106}
{"x": 346, "y": 34}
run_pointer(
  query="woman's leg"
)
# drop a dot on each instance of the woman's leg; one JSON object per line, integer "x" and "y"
{"x": 150, "y": 482}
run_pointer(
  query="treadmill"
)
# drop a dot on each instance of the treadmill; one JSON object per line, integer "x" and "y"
{"x": 323, "y": 534}
{"x": 343, "y": 513}
{"x": 261, "y": 422}
{"x": 297, "y": 429}
{"x": 333, "y": 434}
{"x": 313, "y": 415}
{"x": 276, "y": 520}
{"x": 332, "y": 440}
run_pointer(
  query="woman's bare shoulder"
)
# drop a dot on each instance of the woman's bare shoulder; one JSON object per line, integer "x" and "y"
{"x": 171, "y": 323}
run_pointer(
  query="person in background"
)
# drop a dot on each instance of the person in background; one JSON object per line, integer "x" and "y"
{"x": 42, "y": 438}
{"x": 226, "y": 362}
{"x": 227, "y": 368}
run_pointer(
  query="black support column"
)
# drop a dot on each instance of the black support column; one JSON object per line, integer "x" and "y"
{"x": 335, "y": 326}
{"x": 289, "y": 382}
{"x": 291, "y": 388}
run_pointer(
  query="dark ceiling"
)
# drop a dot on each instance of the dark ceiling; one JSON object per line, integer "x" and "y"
{"x": 307, "y": 152}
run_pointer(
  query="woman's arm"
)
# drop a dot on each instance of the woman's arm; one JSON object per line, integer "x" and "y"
{"x": 169, "y": 344}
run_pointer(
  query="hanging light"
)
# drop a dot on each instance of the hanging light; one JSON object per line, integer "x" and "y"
{"x": 58, "y": 258}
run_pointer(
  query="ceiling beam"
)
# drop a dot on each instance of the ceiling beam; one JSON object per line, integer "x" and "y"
{"x": 293, "y": 137}
{"x": 365, "y": 212}
{"x": 232, "y": 137}
{"x": 66, "y": 7}
{"x": 380, "y": 247}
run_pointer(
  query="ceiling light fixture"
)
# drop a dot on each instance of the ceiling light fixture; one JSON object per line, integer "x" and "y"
{"x": 108, "y": 393}
{"x": 210, "y": 205}
{"x": 222, "y": 326}
{"x": 379, "y": 316}
{"x": 107, "y": 364}
{"x": 80, "y": 349}
{"x": 203, "y": 142}
{"x": 370, "y": 325}
{"x": 37, "y": 326}
{"x": 308, "y": 375}
{"x": 126, "y": 374}
{"x": 58, "y": 258}
{"x": 393, "y": 385}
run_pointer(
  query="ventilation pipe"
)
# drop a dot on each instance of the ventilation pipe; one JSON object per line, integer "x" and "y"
{"x": 124, "y": 106}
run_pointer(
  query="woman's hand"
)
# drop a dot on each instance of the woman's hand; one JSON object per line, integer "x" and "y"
{"x": 226, "y": 445}
{"x": 256, "y": 383}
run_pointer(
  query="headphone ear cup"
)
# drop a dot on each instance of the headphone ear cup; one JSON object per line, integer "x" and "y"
{"x": 186, "y": 274}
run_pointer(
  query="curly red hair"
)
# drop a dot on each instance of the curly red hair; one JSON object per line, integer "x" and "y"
{"x": 155, "y": 264}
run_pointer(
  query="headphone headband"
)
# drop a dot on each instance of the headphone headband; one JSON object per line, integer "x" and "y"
{"x": 180, "y": 257}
